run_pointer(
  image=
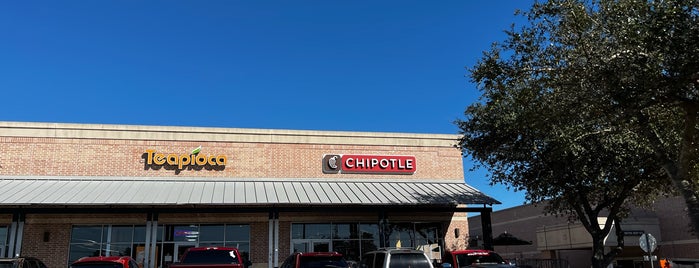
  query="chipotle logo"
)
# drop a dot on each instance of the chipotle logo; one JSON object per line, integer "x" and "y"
{"x": 371, "y": 164}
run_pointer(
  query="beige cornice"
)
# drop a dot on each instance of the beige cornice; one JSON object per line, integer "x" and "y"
{"x": 210, "y": 134}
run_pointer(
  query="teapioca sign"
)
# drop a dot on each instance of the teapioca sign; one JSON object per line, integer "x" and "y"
{"x": 372, "y": 164}
{"x": 194, "y": 160}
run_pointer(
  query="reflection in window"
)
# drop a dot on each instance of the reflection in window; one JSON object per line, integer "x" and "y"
{"x": 350, "y": 239}
{"x": 211, "y": 233}
{"x": 122, "y": 234}
{"x": 237, "y": 232}
{"x": 229, "y": 235}
{"x": 355, "y": 239}
{"x": 344, "y": 231}
{"x": 104, "y": 240}
{"x": 3, "y": 240}
{"x": 427, "y": 233}
{"x": 369, "y": 231}
{"x": 400, "y": 234}
{"x": 311, "y": 231}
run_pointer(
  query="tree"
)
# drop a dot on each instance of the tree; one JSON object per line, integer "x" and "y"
{"x": 591, "y": 107}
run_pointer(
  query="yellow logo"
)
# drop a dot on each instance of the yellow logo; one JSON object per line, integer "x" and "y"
{"x": 184, "y": 160}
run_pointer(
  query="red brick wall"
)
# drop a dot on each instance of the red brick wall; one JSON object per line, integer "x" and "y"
{"x": 451, "y": 242}
{"x": 51, "y": 252}
{"x": 259, "y": 242}
{"x": 97, "y": 157}
{"x": 284, "y": 240}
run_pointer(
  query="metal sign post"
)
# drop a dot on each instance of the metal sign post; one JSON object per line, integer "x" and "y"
{"x": 648, "y": 244}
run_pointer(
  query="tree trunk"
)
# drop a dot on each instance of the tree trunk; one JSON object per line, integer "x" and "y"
{"x": 682, "y": 173}
{"x": 685, "y": 187}
{"x": 679, "y": 170}
{"x": 598, "y": 258}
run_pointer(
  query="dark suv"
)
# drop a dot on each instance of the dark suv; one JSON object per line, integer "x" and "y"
{"x": 395, "y": 258}
{"x": 21, "y": 262}
{"x": 315, "y": 260}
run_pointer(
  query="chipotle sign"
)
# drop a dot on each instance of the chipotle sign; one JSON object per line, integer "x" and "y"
{"x": 371, "y": 164}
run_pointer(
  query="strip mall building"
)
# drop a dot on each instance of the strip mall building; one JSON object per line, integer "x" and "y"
{"x": 150, "y": 192}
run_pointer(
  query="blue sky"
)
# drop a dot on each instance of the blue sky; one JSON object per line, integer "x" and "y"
{"x": 384, "y": 66}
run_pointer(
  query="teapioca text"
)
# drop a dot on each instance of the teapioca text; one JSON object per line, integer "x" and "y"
{"x": 182, "y": 160}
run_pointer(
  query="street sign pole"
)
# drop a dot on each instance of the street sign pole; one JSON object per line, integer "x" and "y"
{"x": 648, "y": 244}
{"x": 650, "y": 252}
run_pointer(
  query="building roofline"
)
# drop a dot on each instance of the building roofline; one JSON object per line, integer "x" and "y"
{"x": 217, "y": 134}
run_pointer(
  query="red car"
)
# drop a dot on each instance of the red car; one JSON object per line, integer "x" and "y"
{"x": 315, "y": 260}
{"x": 105, "y": 262}
{"x": 473, "y": 258}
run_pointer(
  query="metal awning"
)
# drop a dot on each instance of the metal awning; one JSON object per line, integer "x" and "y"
{"x": 149, "y": 191}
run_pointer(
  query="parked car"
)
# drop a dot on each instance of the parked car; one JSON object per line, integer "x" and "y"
{"x": 206, "y": 257}
{"x": 473, "y": 258}
{"x": 21, "y": 262}
{"x": 315, "y": 260}
{"x": 395, "y": 258}
{"x": 105, "y": 262}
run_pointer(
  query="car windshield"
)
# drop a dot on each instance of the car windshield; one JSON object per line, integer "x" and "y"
{"x": 469, "y": 259}
{"x": 411, "y": 260}
{"x": 211, "y": 257}
{"x": 7, "y": 264}
{"x": 322, "y": 262}
{"x": 97, "y": 265}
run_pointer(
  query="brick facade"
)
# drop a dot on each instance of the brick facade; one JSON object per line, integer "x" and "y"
{"x": 84, "y": 151}
{"x": 53, "y": 251}
{"x": 90, "y": 157}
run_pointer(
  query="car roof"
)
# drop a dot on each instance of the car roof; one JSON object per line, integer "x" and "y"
{"x": 471, "y": 251}
{"x": 318, "y": 253}
{"x": 397, "y": 250}
{"x": 211, "y": 248}
{"x": 117, "y": 259}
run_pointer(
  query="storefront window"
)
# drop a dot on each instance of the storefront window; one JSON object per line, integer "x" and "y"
{"x": 212, "y": 233}
{"x": 183, "y": 233}
{"x": 344, "y": 231}
{"x": 3, "y": 241}
{"x": 122, "y": 234}
{"x": 400, "y": 235}
{"x": 85, "y": 241}
{"x": 311, "y": 231}
{"x": 237, "y": 233}
{"x": 180, "y": 237}
{"x": 427, "y": 233}
{"x": 369, "y": 237}
{"x": 350, "y": 239}
{"x": 105, "y": 240}
{"x": 369, "y": 231}
{"x": 355, "y": 239}
{"x": 238, "y": 236}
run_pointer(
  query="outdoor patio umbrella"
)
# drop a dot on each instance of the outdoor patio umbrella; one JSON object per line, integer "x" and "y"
{"x": 506, "y": 239}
